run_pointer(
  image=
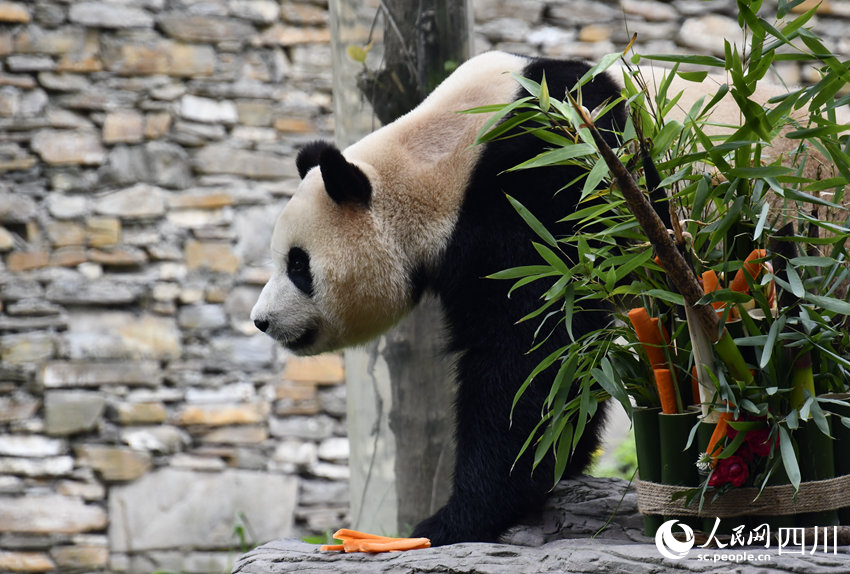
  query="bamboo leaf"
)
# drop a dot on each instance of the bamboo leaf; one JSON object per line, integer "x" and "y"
{"x": 775, "y": 329}
{"x": 534, "y": 223}
{"x": 789, "y": 459}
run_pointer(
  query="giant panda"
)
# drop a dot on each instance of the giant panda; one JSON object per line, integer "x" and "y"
{"x": 416, "y": 207}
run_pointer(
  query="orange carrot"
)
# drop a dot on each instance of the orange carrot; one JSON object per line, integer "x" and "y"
{"x": 652, "y": 337}
{"x": 711, "y": 283}
{"x": 666, "y": 391}
{"x": 356, "y": 541}
{"x": 739, "y": 283}
{"x": 720, "y": 430}
{"x": 395, "y": 544}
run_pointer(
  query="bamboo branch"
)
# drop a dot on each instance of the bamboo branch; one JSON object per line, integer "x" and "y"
{"x": 671, "y": 259}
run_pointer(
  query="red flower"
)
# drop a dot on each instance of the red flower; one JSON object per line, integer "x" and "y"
{"x": 759, "y": 441}
{"x": 732, "y": 470}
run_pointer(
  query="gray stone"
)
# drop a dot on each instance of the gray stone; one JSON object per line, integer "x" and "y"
{"x": 323, "y": 492}
{"x": 238, "y": 305}
{"x": 113, "y": 463}
{"x": 50, "y": 514}
{"x": 27, "y": 348}
{"x": 232, "y": 393}
{"x": 310, "y": 428}
{"x": 708, "y": 33}
{"x": 97, "y": 292}
{"x": 138, "y": 202}
{"x": 334, "y": 449}
{"x": 168, "y": 164}
{"x": 31, "y": 445}
{"x": 248, "y": 352}
{"x": 94, "y": 374}
{"x": 63, "y": 81}
{"x": 63, "y": 206}
{"x": 17, "y": 408}
{"x": 27, "y": 63}
{"x": 122, "y": 335}
{"x": 173, "y": 509}
{"x": 37, "y": 467}
{"x": 223, "y": 159}
{"x": 562, "y": 539}
{"x": 68, "y": 412}
{"x": 191, "y": 28}
{"x": 161, "y": 439}
{"x": 16, "y": 208}
{"x": 202, "y": 317}
{"x": 62, "y": 147}
{"x": 207, "y": 110}
{"x": 581, "y": 12}
{"x": 109, "y": 15}
{"x": 264, "y": 11}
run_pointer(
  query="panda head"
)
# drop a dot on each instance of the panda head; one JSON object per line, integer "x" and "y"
{"x": 339, "y": 276}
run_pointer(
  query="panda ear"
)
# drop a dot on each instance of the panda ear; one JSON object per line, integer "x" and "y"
{"x": 344, "y": 181}
{"x": 308, "y": 157}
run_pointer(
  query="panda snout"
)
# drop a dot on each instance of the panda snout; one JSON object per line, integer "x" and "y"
{"x": 261, "y": 324}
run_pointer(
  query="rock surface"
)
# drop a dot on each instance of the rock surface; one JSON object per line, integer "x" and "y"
{"x": 558, "y": 540}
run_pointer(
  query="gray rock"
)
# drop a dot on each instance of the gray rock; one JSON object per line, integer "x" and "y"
{"x": 171, "y": 508}
{"x": 168, "y": 165}
{"x": 93, "y": 374}
{"x": 109, "y": 15}
{"x": 202, "y": 317}
{"x": 560, "y": 540}
{"x": 137, "y": 202}
{"x": 31, "y": 445}
{"x": 16, "y": 208}
{"x": 98, "y": 292}
{"x": 248, "y": 352}
{"x": 310, "y": 428}
{"x": 223, "y": 159}
{"x": 50, "y": 514}
{"x": 68, "y": 412}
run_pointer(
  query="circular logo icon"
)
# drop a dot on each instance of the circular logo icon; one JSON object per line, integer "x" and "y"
{"x": 667, "y": 543}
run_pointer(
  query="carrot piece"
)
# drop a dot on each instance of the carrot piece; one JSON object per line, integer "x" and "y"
{"x": 739, "y": 283}
{"x": 397, "y": 544}
{"x": 666, "y": 391}
{"x": 720, "y": 430}
{"x": 711, "y": 283}
{"x": 652, "y": 337}
{"x": 348, "y": 534}
{"x": 356, "y": 541}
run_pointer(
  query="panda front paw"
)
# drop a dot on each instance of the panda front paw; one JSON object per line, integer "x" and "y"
{"x": 442, "y": 528}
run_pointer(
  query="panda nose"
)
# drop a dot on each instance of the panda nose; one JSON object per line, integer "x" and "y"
{"x": 261, "y": 324}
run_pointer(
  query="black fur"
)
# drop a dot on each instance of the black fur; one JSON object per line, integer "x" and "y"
{"x": 298, "y": 270}
{"x": 344, "y": 181}
{"x": 490, "y": 236}
{"x": 308, "y": 157}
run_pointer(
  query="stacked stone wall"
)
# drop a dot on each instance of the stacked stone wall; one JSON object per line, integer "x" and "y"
{"x": 145, "y": 150}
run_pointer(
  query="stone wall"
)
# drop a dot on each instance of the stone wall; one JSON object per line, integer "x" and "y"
{"x": 145, "y": 150}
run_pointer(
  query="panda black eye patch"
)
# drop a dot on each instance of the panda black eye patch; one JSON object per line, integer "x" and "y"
{"x": 298, "y": 270}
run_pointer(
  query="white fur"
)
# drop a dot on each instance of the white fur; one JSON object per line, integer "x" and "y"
{"x": 361, "y": 260}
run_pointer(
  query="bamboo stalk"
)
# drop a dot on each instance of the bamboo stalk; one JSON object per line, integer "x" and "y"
{"x": 672, "y": 260}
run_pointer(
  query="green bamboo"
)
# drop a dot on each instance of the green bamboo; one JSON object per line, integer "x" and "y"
{"x": 731, "y": 356}
{"x": 817, "y": 462}
{"x": 802, "y": 379}
{"x": 678, "y": 464}
{"x": 841, "y": 446}
{"x": 645, "y": 420}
